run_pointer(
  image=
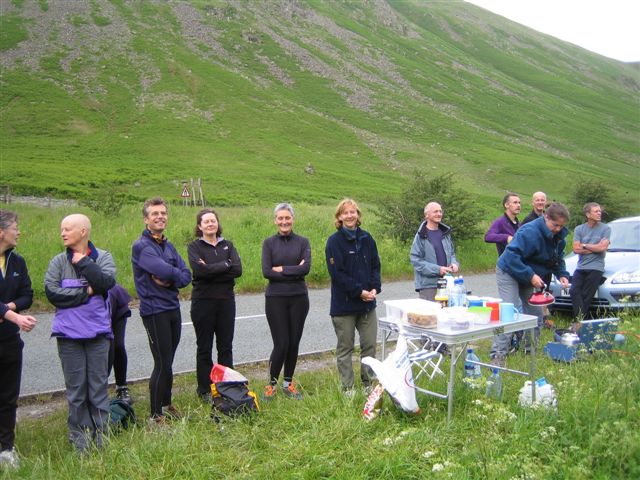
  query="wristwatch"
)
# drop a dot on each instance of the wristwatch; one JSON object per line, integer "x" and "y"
{"x": 584, "y": 246}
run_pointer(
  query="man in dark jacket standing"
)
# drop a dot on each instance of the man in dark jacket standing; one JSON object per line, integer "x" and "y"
{"x": 159, "y": 272}
{"x": 537, "y": 250}
{"x": 354, "y": 267}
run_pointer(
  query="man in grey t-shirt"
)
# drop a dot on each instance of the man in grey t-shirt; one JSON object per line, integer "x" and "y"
{"x": 590, "y": 241}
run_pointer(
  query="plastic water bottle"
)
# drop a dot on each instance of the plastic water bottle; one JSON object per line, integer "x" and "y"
{"x": 494, "y": 385}
{"x": 458, "y": 297}
{"x": 471, "y": 370}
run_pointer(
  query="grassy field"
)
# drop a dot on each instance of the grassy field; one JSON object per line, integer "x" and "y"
{"x": 138, "y": 96}
{"x": 594, "y": 434}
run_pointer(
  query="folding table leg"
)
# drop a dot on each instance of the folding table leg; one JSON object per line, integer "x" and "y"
{"x": 532, "y": 368}
{"x": 452, "y": 376}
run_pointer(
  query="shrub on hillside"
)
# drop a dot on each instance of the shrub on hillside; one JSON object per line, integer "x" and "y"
{"x": 108, "y": 202}
{"x": 404, "y": 213}
{"x": 594, "y": 190}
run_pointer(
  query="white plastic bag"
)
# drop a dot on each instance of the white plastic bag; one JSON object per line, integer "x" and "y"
{"x": 395, "y": 375}
{"x": 545, "y": 395}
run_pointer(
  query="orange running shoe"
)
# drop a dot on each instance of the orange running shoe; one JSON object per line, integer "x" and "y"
{"x": 269, "y": 393}
{"x": 292, "y": 392}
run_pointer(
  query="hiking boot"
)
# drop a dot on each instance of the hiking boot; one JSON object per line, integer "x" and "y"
{"x": 206, "y": 397}
{"x": 349, "y": 392}
{"x": 9, "y": 459}
{"x": 171, "y": 412}
{"x": 292, "y": 392}
{"x": 157, "y": 421}
{"x": 269, "y": 393}
{"x": 122, "y": 393}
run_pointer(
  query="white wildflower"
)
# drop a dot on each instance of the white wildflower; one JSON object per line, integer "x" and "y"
{"x": 387, "y": 442}
{"x": 428, "y": 454}
{"x": 438, "y": 467}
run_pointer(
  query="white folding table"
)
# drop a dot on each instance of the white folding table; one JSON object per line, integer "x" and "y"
{"x": 457, "y": 341}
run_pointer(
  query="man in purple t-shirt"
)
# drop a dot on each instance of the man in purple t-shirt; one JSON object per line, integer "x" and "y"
{"x": 504, "y": 228}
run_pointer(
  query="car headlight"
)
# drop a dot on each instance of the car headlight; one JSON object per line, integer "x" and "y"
{"x": 626, "y": 277}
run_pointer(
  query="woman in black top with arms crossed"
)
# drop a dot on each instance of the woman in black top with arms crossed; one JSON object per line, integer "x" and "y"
{"x": 215, "y": 264}
{"x": 286, "y": 260}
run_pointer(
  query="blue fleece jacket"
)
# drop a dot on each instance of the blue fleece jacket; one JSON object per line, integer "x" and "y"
{"x": 354, "y": 265}
{"x": 150, "y": 258}
{"x": 535, "y": 250}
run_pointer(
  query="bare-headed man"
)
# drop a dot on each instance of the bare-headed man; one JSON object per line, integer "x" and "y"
{"x": 503, "y": 228}
{"x": 590, "y": 241}
{"x": 432, "y": 252}
{"x": 76, "y": 283}
{"x": 158, "y": 272}
{"x": 539, "y": 202}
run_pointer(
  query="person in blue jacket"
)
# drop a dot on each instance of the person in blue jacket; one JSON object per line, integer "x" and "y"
{"x": 16, "y": 295}
{"x": 158, "y": 272}
{"x": 537, "y": 250}
{"x": 354, "y": 268}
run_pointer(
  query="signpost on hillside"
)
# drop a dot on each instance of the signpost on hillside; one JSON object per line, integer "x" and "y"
{"x": 197, "y": 198}
{"x": 186, "y": 194}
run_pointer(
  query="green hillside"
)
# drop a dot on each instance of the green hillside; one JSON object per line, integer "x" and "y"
{"x": 247, "y": 95}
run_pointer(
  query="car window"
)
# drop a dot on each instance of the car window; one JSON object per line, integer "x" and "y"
{"x": 625, "y": 236}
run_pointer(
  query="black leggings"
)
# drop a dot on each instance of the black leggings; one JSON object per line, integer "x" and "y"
{"x": 286, "y": 317}
{"x": 163, "y": 330}
{"x": 118, "y": 352}
{"x": 10, "y": 373}
{"x": 211, "y": 318}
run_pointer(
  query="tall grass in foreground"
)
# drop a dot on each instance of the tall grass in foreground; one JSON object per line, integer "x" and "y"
{"x": 246, "y": 227}
{"x": 594, "y": 434}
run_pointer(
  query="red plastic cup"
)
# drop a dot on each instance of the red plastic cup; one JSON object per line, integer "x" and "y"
{"x": 495, "y": 311}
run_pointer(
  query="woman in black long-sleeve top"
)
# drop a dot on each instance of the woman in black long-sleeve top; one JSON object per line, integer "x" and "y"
{"x": 215, "y": 264}
{"x": 286, "y": 260}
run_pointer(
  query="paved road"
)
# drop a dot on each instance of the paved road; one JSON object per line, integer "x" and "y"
{"x": 42, "y": 372}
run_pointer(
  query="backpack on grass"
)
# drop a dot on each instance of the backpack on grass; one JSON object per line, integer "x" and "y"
{"x": 230, "y": 392}
{"x": 121, "y": 414}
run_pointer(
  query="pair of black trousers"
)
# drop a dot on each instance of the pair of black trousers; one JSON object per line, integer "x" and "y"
{"x": 10, "y": 373}
{"x": 211, "y": 318}
{"x": 584, "y": 285}
{"x": 286, "y": 317}
{"x": 163, "y": 330}
{"x": 118, "y": 351}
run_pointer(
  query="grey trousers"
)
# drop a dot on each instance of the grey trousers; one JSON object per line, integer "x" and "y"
{"x": 517, "y": 293}
{"x": 85, "y": 369}
{"x": 345, "y": 327}
{"x": 427, "y": 294}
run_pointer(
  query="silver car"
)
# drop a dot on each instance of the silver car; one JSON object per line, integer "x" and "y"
{"x": 620, "y": 285}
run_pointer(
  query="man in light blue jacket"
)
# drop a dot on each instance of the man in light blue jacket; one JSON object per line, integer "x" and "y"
{"x": 432, "y": 252}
